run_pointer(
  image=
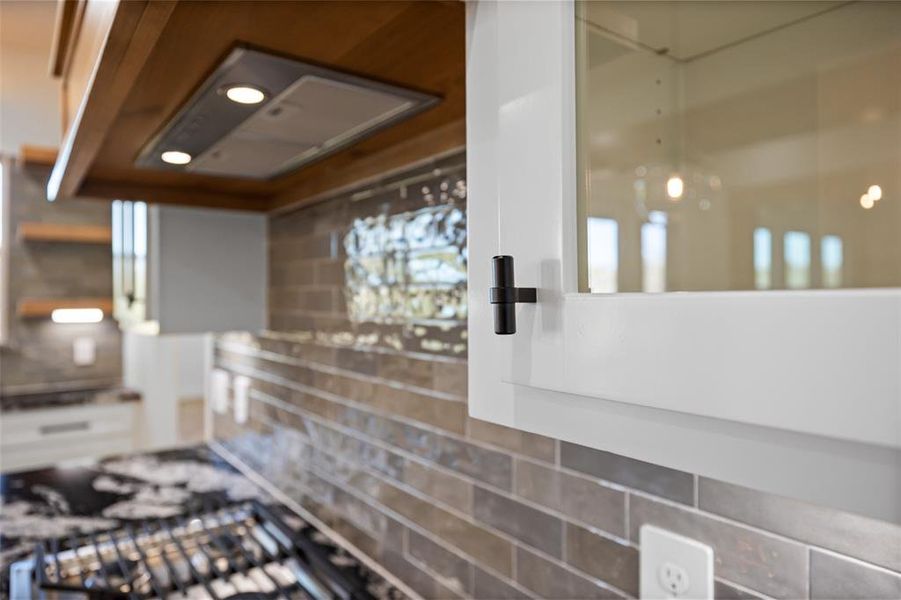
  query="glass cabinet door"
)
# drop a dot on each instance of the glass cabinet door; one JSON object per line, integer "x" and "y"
{"x": 706, "y": 197}
{"x": 739, "y": 145}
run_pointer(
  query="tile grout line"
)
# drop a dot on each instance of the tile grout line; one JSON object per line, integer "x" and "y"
{"x": 808, "y": 582}
{"x": 743, "y": 588}
{"x": 858, "y": 561}
{"x": 437, "y": 577}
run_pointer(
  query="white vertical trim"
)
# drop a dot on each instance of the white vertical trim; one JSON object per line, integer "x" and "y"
{"x": 5, "y": 214}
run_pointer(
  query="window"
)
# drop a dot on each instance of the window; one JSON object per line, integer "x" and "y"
{"x": 129, "y": 246}
{"x": 797, "y": 260}
{"x": 831, "y": 258}
{"x": 763, "y": 258}
{"x": 653, "y": 252}
{"x": 603, "y": 248}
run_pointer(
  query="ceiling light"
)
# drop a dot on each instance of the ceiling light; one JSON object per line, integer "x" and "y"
{"x": 245, "y": 94}
{"x": 674, "y": 187}
{"x": 874, "y": 192}
{"x": 77, "y": 315}
{"x": 866, "y": 201}
{"x": 175, "y": 157}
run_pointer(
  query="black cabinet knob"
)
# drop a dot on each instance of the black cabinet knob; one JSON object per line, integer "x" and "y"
{"x": 504, "y": 295}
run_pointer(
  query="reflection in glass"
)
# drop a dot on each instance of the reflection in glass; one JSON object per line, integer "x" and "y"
{"x": 653, "y": 252}
{"x": 603, "y": 248}
{"x": 408, "y": 267}
{"x": 831, "y": 258}
{"x": 763, "y": 258}
{"x": 140, "y": 250}
{"x": 797, "y": 260}
{"x": 731, "y": 118}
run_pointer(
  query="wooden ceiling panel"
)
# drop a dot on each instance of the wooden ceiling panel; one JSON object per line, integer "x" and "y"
{"x": 420, "y": 45}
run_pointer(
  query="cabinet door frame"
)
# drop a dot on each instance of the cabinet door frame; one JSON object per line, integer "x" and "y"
{"x": 792, "y": 392}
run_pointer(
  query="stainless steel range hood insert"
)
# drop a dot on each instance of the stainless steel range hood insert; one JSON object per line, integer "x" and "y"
{"x": 308, "y": 112}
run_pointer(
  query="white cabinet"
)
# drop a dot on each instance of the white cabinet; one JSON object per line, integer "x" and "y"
{"x": 776, "y": 375}
{"x": 188, "y": 270}
{"x": 39, "y": 438}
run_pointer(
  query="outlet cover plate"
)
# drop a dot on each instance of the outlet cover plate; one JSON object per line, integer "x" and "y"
{"x": 661, "y": 548}
{"x": 84, "y": 351}
{"x": 219, "y": 382}
{"x": 241, "y": 386}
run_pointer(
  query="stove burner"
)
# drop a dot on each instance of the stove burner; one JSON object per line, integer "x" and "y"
{"x": 116, "y": 576}
{"x": 225, "y": 543}
{"x": 238, "y": 545}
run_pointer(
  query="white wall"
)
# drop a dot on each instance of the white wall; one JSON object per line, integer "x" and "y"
{"x": 29, "y": 96}
{"x": 165, "y": 369}
{"x": 208, "y": 270}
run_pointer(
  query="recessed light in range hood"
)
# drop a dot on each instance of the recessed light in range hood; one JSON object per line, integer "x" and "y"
{"x": 307, "y": 112}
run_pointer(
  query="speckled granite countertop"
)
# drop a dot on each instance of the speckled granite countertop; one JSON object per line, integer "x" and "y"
{"x": 64, "y": 398}
{"x": 52, "y": 502}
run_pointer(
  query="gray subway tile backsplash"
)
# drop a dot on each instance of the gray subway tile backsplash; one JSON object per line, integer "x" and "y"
{"x": 456, "y": 572}
{"x": 534, "y": 527}
{"x": 860, "y": 537}
{"x": 358, "y": 412}
{"x": 548, "y": 579}
{"x": 486, "y": 585}
{"x": 580, "y": 498}
{"x": 660, "y": 481}
{"x": 603, "y": 558}
{"x": 728, "y": 591}
{"x": 837, "y": 578}
{"x": 521, "y": 442}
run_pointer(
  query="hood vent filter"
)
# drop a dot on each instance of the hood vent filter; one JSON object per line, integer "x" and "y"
{"x": 308, "y": 112}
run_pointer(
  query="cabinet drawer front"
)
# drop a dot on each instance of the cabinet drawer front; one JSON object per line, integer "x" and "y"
{"x": 66, "y": 424}
{"x": 55, "y": 450}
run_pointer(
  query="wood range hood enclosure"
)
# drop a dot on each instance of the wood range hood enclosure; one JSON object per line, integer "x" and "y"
{"x": 150, "y": 59}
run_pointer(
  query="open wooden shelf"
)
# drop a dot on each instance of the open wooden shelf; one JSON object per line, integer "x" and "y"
{"x": 42, "y": 307}
{"x": 37, "y": 155}
{"x": 57, "y": 232}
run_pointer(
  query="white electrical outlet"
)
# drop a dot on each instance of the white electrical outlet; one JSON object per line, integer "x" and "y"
{"x": 218, "y": 394}
{"x": 84, "y": 351}
{"x": 674, "y": 566}
{"x": 241, "y": 386}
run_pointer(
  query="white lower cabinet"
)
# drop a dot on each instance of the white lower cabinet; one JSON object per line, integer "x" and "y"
{"x": 45, "y": 437}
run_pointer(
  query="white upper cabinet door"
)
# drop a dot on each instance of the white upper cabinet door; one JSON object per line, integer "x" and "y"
{"x": 707, "y": 197}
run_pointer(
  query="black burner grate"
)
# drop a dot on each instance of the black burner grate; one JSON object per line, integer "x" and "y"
{"x": 244, "y": 548}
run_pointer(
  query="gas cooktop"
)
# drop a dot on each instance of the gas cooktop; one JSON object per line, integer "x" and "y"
{"x": 243, "y": 551}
